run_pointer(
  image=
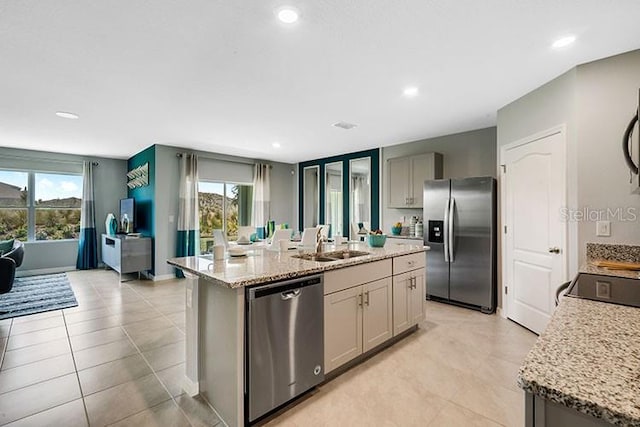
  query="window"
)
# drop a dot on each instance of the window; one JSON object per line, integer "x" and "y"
{"x": 223, "y": 206}
{"x": 39, "y": 206}
{"x": 13, "y": 205}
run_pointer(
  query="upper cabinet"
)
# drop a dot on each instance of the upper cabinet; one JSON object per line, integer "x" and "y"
{"x": 406, "y": 177}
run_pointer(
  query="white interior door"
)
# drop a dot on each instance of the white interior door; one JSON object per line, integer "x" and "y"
{"x": 534, "y": 192}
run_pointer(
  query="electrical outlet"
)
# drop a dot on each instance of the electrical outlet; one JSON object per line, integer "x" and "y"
{"x": 603, "y": 228}
{"x": 603, "y": 289}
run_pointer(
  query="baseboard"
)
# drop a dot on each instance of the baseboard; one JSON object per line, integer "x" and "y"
{"x": 36, "y": 272}
{"x": 161, "y": 277}
{"x": 500, "y": 313}
{"x": 190, "y": 387}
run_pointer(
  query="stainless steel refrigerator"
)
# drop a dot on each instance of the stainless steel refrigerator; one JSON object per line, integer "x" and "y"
{"x": 460, "y": 228}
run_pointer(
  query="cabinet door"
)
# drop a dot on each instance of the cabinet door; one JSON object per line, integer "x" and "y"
{"x": 377, "y": 324}
{"x": 342, "y": 327}
{"x": 421, "y": 170}
{"x": 418, "y": 297}
{"x": 401, "y": 302}
{"x": 399, "y": 176}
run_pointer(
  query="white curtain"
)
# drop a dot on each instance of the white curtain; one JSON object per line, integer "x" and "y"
{"x": 360, "y": 207}
{"x": 261, "y": 195}
{"x": 188, "y": 214}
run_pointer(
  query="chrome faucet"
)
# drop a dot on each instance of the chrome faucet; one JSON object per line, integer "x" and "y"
{"x": 319, "y": 241}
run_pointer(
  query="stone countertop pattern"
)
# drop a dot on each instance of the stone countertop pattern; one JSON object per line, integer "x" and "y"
{"x": 262, "y": 265}
{"x": 588, "y": 359}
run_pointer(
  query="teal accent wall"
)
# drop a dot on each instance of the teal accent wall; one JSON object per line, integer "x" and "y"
{"x": 374, "y": 155}
{"x": 145, "y": 196}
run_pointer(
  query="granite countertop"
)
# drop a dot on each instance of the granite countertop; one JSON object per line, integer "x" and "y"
{"x": 592, "y": 269}
{"x": 262, "y": 265}
{"x": 588, "y": 358}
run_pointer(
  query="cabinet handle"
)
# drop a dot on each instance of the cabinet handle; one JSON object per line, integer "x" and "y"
{"x": 367, "y": 300}
{"x": 360, "y": 300}
{"x": 413, "y": 283}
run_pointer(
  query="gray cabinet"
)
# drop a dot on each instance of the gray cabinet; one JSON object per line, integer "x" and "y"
{"x": 541, "y": 412}
{"x": 408, "y": 292}
{"x": 358, "y": 311}
{"x": 406, "y": 177}
{"x": 126, "y": 255}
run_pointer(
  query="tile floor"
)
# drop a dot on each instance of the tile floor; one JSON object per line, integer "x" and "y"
{"x": 118, "y": 358}
{"x": 458, "y": 369}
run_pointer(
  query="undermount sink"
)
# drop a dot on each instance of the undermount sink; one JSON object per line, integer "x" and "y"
{"x": 331, "y": 256}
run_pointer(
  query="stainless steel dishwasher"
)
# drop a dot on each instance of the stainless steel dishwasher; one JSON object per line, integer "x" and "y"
{"x": 285, "y": 342}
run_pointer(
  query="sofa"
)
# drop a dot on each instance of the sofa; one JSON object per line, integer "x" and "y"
{"x": 9, "y": 261}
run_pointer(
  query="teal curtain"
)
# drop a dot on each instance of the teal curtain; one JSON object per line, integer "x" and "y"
{"x": 88, "y": 244}
{"x": 188, "y": 215}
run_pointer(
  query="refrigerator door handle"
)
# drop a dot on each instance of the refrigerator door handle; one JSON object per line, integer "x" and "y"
{"x": 446, "y": 230}
{"x": 452, "y": 207}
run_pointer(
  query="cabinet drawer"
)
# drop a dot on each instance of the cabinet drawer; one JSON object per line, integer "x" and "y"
{"x": 410, "y": 262}
{"x": 348, "y": 277}
{"x": 399, "y": 241}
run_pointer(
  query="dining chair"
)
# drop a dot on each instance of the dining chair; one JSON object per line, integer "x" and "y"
{"x": 309, "y": 236}
{"x": 220, "y": 239}
{"x": 283, "y": 234}
{"x": 246, "y": 231}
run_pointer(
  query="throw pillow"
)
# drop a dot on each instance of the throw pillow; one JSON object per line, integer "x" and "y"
{"x": 6, "y": 246}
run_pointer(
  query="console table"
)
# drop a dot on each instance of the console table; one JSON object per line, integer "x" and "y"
{"x": 126, "y": 254}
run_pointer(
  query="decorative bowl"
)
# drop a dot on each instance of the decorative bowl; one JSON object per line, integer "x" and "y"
{"x": 376, "y": 240}
{"x": 396, "y": 231}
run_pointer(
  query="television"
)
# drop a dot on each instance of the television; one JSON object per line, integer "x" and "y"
{"x": 128, "y": 211}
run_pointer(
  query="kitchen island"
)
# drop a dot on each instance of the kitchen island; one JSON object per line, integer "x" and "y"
{"x": 585, "y": 368}
{"x": 369, "y": 301}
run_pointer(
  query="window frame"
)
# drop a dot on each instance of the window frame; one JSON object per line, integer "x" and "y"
{"x": 225, "y": 186}
{"x": 31, "y": 202}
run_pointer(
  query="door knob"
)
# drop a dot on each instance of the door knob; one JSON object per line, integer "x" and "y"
{"x": 554, "y": 250}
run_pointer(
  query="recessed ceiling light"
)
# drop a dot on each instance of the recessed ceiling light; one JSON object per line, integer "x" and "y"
{"x": 344, "y": 125}
{"x": 276, "y": 145}
{"x": 288, "y": 15}
{"x": 410, "y": 92}
{"x": 563, "y": 42}
{"x": 66, "y": 115}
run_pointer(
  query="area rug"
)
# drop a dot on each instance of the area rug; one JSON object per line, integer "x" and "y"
{"x": 36, "y": 294}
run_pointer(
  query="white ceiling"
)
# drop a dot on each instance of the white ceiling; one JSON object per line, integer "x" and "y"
{"x": 228, "y": 77}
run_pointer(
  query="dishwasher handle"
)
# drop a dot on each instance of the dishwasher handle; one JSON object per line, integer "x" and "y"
{"x": 287, "y": 289}
{"x": 290, "y": 294}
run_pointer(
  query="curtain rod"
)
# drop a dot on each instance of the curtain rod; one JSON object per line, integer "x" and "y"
{"x": 73, "y": 162}
{"x": 224, "y": 160}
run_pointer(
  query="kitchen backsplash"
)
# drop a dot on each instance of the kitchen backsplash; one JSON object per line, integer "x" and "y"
{"x": 611, "y": 252}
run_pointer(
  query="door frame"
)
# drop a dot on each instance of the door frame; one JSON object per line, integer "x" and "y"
{"x": 559, "y": 129}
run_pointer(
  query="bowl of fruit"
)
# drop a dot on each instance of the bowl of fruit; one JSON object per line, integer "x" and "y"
{"x": 376, "y": 239}
{"x": 396, "y": 229}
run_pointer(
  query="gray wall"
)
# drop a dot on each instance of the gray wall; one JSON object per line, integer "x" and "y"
{"x": 214, "y": 167}
{"x": 595, "y": 101}
{"x": 607, "y": 97}
{"x": 544, "y": 108}
{"x": 109, "y": 187}
{"x": 465, "y": 154}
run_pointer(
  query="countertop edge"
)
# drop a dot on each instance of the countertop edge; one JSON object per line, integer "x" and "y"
{"x": 294, "y": 274}
{"x": 526, "y": 373}
{"x": 583, "y": 406}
